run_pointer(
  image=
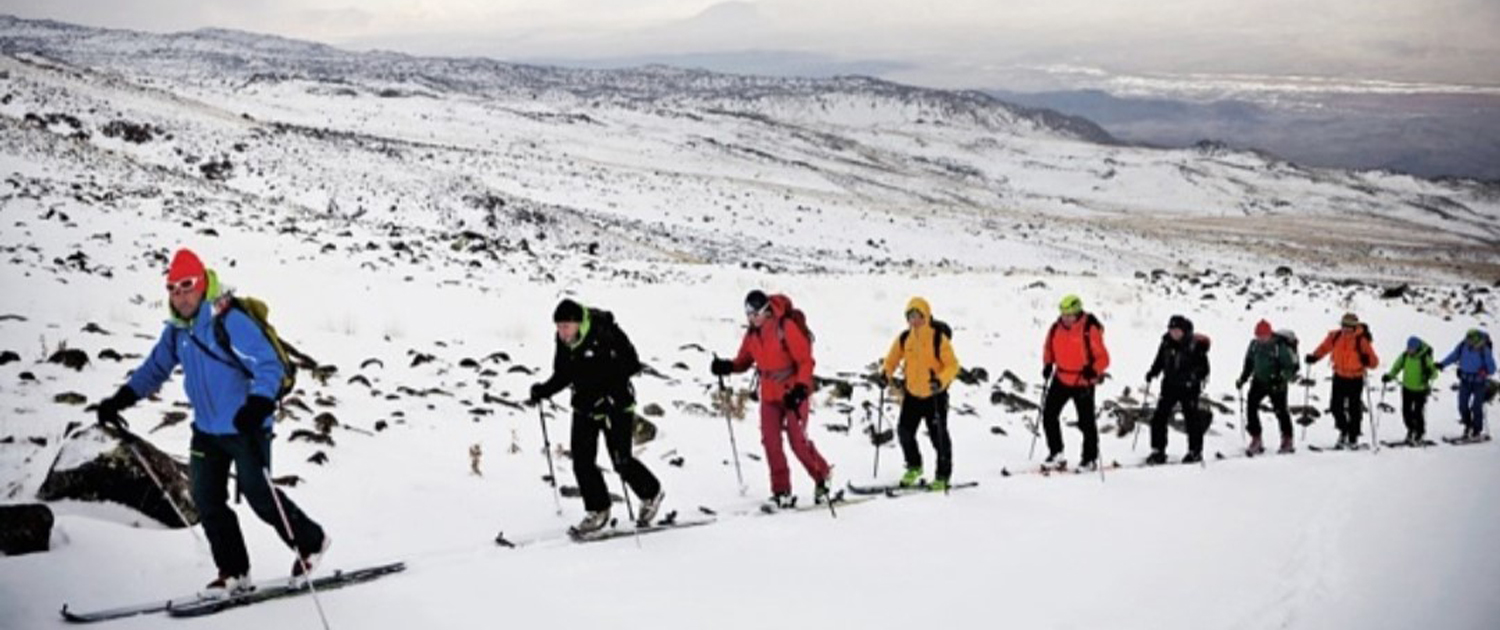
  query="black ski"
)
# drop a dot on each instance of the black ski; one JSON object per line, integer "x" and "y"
{"x": 127, "y": 611}
{"x": 1405, "y": 444}
{"x": 926, "y": 488}
{"x": 282, "y": 588}
{"x": 613, "y": 533}
{"x": 1461, "y": 440}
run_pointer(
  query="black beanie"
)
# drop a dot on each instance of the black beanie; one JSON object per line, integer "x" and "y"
{"x": 567, "y": 311}
{"x": 1181, "y": 323}
{"x": 755, "y": 300}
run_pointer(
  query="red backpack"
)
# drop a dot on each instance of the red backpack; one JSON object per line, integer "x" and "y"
{"x": 789, "y": 313}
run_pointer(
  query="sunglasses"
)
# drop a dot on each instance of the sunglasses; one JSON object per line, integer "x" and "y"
{"x": 183, "y": 286}
{"x": 751, "y": 311}
{"x": 913, "y": 314}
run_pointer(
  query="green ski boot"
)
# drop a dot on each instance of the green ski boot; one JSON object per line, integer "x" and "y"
{"x": 940, "y": 485}
{"x": 912, "y": 476}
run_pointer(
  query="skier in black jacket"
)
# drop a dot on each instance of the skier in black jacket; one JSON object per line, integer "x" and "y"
{"x": 1182, "y": 362}
{"x": 595, "y": 357}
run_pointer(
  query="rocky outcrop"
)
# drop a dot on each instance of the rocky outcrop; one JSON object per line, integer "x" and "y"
{"x": 95, "y": 466}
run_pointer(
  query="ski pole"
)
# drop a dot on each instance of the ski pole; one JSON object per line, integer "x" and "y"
{"x": 1036, "y": 428}
{"x": 1374, "y": 422}
{"x": 728, "y": 422}
{"x": 1136, "y": 438}
{"x": 547, "y": 446}
{"x": 130, "y": 439}
{"x": 875, "y": 439}
{"x": 828, "y": 498}
{"x": 1239, "y": 395}
{"x": 616, "y": 455}
{"x": 1307, "y": 400}
{"x": 287, "y": 526}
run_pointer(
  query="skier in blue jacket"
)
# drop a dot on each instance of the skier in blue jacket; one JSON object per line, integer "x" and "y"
{"x": 1475, "y": 356}
{"x": 232, "y": 392}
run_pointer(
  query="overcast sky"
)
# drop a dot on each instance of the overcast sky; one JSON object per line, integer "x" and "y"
{"x": 950, "y": 43}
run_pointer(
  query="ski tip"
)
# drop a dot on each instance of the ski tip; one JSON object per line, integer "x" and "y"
{"x": 503, "y": 542}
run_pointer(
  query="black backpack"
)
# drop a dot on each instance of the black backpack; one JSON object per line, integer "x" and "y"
{"x": 940, "y": 329}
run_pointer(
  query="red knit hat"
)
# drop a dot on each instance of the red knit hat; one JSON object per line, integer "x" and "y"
{"x": 185, "y": 264}
{"x": 1263, "y": 329}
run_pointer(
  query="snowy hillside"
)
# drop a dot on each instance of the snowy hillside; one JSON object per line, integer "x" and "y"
{"x": 412, "y": 222}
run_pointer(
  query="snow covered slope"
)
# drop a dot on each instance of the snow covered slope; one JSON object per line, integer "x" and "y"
{"x": 427, "y": 214}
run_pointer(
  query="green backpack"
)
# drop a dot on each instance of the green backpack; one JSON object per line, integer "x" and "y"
{"x": 259, "y": 313}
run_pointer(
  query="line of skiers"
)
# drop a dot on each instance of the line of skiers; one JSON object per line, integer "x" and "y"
{"x": 236, "y": 368}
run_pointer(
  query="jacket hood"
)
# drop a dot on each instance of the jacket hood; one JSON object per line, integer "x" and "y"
{"x": 780, "y": 305}
{"x": 920, "y": 305}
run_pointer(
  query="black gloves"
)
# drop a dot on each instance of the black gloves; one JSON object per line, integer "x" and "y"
{"x": 1239, "y": 384}
{"x": 108, "y": 411}
{"x": 252, "y": 415}
{"x": 535, "y": 395}
{"x": 1150, "y": 376}
{"x": 1311, "y": 359}
{"x": 1387, "y": 378}
{"x": 936, "y": 385}
{"x": 882, "y": 380}
{"x": 1089, "y": 375}
{"x": 1046, "y": 371}
{"x": 795, "y": 397}
{"x": 721, "y": 367}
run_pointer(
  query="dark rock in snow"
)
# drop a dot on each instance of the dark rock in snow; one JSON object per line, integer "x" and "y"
{"x": 973, "y": 377}
{"x": 1395, "y": 293}
{"x": 9, "y": 357}
{"x": 1011, "y": 402}
{"x": 70, "y": 398}
{"x": 309, "y": 436}
{"x": 645, "y": 431}
{"x": 25, "y": 528}
{"x": 94, "y": 466}
{"x": 70, "y": 357}
{"x": 325, "y": 422}
{"x": 653, "y": 410}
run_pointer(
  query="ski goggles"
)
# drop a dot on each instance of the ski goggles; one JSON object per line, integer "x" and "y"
{"x": 913, "y": 314}
{"x": 184, "y": 285}
{"x": 751, "y": 311}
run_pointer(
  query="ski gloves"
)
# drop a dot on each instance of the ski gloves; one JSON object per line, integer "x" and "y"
{"x": 721, "y": 367}
{"x": 795, "y": 397}
{"x": 248, "y": 420}
{"x": 108, "y": 411}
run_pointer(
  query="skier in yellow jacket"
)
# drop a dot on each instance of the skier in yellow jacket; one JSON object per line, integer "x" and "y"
{"x": 926, "y": 347}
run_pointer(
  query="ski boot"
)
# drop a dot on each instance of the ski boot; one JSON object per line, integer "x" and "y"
{"x": 1193, "y": 457}
{"x": 1156, "y": 458}
{"x": 912, "y": 476}
{"x": 228, "y": 586}
{"x": 779, "y": 501}
{"x": 822, "y": 494}
{"x": 304, "y": 565}
{"x": 1088, "y": 465}
{"x": 1286, "y": 445}
{"x": 591, "y": 524}
{"x": 1255, "y": 447}
{"x": 649, "y": 508}
{"x": 938, "y": 485}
